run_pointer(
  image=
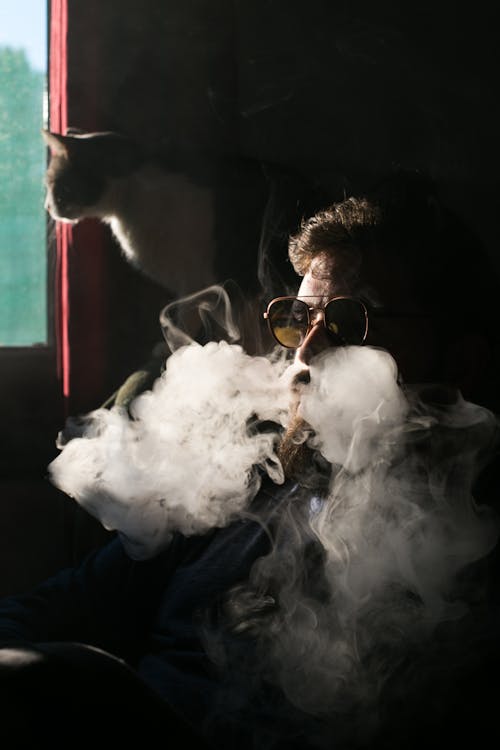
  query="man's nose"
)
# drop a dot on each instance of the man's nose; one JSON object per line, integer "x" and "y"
{"x": 316, "y": 341}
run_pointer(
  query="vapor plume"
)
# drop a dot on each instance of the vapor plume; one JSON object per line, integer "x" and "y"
{"x": 358, "y": 573}
{"x": 192, "y": 455}
{"x": 389, "y": 539}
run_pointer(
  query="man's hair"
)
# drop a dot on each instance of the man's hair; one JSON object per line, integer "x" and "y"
{"x": 345, "y": 225}
{"x": 402, "y": 217}
{"x": 404, "y": 222}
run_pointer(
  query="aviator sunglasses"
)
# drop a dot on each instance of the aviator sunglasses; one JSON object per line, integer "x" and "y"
{"x": 289, "y": 320}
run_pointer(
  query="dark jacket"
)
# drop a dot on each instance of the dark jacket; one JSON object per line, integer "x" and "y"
{"x": 159, "y": 617}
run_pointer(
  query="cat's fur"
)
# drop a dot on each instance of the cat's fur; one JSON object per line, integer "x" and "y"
{"x": 162, "y": 219}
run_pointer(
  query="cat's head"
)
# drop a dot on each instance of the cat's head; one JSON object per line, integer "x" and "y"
{"x": 82, "y": 166}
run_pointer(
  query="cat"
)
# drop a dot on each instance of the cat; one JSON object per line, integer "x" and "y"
{"x": 162, "y": 218}
{"x": 186, "y": 218}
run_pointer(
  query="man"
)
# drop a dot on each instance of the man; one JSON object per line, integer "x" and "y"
{"x": 260, "y": 634}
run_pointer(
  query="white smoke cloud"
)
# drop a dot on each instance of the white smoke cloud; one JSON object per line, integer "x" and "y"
{"x": 400, "y": 509}
{"x": 187, "y": 460}
{"x": 397, "y": 525}
{"x": 353, "y": 396}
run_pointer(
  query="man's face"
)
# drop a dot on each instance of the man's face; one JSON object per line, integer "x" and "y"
{"x": 401, "y": 327}
{"x": 324, "y": 280}
{"x": 397, "y": 322}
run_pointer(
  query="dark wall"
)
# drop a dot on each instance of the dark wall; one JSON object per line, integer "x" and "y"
{"x": 308, "y": 101}
{"x": 337, "y": 91}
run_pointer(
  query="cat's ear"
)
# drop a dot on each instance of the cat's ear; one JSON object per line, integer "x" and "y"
{"x": 57, "y": 143}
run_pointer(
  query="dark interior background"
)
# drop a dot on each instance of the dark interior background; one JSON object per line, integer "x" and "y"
{"x": 295, "y": 104}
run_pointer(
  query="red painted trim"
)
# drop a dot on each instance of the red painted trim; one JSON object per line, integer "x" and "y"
{"x": 58, "y": 78}
{"x": 65, "y": 241}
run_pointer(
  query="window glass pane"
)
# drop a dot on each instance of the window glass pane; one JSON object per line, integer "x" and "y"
{"x": 23, "y": 255}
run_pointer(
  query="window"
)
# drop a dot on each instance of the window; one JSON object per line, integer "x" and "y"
{"x": 29, "y": 375}
{"x": 23, "y": 243}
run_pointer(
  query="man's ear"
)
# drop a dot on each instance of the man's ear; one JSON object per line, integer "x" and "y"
{"x": 465, "y": 360}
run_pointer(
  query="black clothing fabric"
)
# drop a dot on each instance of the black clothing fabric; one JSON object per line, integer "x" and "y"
{"x": 148, "y": 614}
{"x": 129, "y": 651}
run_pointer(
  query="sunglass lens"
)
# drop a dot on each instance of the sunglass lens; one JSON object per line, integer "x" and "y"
{"x": 347, "y": 320}
{"x": 289, "y": 319}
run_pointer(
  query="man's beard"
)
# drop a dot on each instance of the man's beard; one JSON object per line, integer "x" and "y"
{"x": 300, "y": 462}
